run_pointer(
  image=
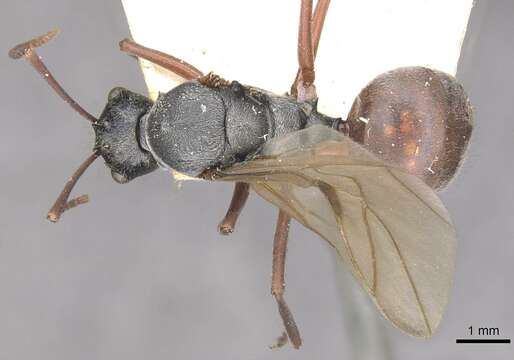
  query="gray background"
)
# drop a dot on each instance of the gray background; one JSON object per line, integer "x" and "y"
{"x": 141, "y": 272}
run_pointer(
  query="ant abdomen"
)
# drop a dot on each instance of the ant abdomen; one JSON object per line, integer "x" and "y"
{"x": 417, "y": 118}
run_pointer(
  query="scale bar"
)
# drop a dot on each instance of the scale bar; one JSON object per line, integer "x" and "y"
{"x": 482, "y": 341}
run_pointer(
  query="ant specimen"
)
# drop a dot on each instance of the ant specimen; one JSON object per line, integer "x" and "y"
{"x": 365, "y": 184}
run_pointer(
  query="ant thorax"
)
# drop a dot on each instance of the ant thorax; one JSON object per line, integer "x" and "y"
{"x": 199, "y": 125}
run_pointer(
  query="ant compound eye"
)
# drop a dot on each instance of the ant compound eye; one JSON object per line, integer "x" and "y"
{"x": 115, "y": 92}
{"x": 120, "y": 179}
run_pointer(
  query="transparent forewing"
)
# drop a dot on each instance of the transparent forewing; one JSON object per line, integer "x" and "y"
{"x": 389, "y": 226}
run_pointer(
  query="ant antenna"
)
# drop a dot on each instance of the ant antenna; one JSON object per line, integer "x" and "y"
{"x": 62, "y": 204}
{"x": 27, "y": 50}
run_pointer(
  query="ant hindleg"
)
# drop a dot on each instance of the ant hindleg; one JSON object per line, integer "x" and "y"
{"x": 303, "y": 89}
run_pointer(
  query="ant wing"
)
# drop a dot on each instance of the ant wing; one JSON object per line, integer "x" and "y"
{"x": 386, "y": 224}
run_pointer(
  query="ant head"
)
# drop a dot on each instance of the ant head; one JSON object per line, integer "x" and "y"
{"x": 117, "y": 139}
{"x": 117, "y": 135}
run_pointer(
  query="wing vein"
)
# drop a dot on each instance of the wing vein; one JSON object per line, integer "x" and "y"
{"x": 406, "y": 269}
{"x": 298, "y": 216}
{"x": 322, "y": 185}
{"x": 335, "y": 204}
{"x": 292, "y": 211}
{"x": 417, "y": 196}
{"x": 372, "y": 247}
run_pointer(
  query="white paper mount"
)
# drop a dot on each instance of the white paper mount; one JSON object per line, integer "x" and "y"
{"x": 254, "y": 42}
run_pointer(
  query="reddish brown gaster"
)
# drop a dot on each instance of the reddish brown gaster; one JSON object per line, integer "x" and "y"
{"x": 417, "y": 118}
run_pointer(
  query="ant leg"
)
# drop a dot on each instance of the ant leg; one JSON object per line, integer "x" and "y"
{"x": 277, "y": 278}
{"x": 303, "y": 89}
{"x": 308, "y": 40}
{"x": 318, "y": 20}
{"x": 241, "y": 192}
{"x": 305, "y": 53}
{"x": 171, "y": 63}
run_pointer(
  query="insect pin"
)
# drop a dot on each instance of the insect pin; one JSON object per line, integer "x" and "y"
{"x": 365, "y": 184}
